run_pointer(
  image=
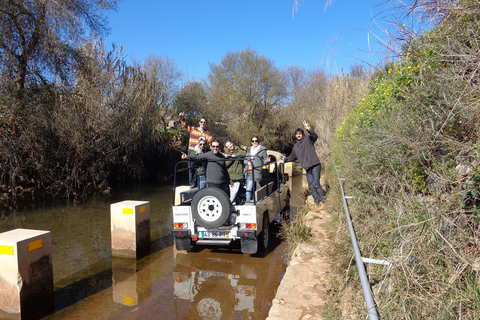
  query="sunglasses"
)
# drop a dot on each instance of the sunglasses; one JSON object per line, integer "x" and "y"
{"x": 203, "y": 121}
{"x": 201, "y": 144}
{"x": 254, "y": 140}
{"x": 215, "y": 146}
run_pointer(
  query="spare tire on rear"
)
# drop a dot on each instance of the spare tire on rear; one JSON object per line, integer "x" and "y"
{"x": 211, "y": 207}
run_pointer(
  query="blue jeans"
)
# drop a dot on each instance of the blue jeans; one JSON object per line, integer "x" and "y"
{"x": 313, "y": 178}
{"x": 248, "y": 187}
{"x": 202, "y": 182}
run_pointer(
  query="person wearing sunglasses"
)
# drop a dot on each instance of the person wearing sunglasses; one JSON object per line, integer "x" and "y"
{"x": 195, "y": 134}
{"x": 304, "y": 151}
{"x": 235, "y": 169}
{"x": 216, "y": 172}
{"x": 256, "y": 158}
{"x": 201, "y": 168}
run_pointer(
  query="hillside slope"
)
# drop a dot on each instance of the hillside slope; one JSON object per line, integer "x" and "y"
{"x": 410, "y": 153}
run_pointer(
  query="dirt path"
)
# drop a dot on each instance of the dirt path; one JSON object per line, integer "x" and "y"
{"x": 303, "y": 290}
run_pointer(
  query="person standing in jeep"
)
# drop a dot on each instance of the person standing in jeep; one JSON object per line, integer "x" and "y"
{"x": 304, "y": 151}
{"x": 216, "y": 173}
{"x": 256, "y": 157}
{"x": 235, "y": 169}
{"x": 201, "y": 167}
{"x": 195, "y": 134}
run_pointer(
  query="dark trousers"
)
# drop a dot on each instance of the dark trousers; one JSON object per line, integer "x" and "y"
{"x": 313, "y": 178}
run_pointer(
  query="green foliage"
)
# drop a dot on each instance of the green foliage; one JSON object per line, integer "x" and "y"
{"x": 416, "y": 177}
{"x": 409, "y": 152}
{"x": 384, "y": 90}
{"x": 246, "y": 93}
{"x": 192, "y": 100}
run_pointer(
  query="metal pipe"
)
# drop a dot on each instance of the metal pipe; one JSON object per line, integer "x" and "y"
{"x": 376, "y": 261}
{"x": 371, "y": 309}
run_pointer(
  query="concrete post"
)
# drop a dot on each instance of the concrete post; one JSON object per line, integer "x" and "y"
{"x": 130, "y": 227}
{"x": 26, "y": 274}
{"x": 289, "y": 168}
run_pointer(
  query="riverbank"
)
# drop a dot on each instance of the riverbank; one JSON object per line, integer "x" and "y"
{"x": 303, "y": 290}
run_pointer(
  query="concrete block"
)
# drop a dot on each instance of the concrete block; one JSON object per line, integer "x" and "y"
{"x": 289, "y": 168}
{"x": 294, "y": 169}
{"x": 26, "y": 274}
{"x": 130, "y": 227}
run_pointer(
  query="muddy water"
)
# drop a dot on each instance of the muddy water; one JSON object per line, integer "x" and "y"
{"x": 206, "y": 283}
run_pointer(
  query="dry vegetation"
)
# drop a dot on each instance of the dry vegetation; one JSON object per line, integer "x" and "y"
{"x": 410, "y": 153}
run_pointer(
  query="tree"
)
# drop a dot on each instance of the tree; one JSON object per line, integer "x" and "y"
{"x": 309, "y": 92}
{"x": 246, "y": 91}
{"x": 144, "y": 103}
{"x": 38, "y": 38}
{"x": 192, "y": 99}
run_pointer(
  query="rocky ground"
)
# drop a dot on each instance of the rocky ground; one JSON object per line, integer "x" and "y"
{"x": 304, "y": 287}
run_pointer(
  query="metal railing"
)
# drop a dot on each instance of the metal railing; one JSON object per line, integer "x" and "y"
{"x": 367, "y": 293}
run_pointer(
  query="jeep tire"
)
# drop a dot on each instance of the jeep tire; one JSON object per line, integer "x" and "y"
{"x": 264, "y": 236}
{"x": 211, "y": 207}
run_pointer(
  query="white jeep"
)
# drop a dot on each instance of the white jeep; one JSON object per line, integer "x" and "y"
{"x": 207, "y": 217}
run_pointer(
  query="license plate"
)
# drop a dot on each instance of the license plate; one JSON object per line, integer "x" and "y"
{"x": 214, "y": 234}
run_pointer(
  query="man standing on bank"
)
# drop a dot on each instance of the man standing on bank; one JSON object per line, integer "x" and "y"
{"x": 195, "y": 133}
{"x": 304, "y": 151}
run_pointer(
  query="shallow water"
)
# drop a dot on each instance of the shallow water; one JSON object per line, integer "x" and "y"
{"x": 206, "y": 283}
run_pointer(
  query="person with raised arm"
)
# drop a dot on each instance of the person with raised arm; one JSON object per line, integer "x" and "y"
{"x": 304, "y": 151}
{"x": 195, "y": 133}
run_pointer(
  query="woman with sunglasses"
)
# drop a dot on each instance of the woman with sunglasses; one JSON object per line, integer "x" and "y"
{"x": 257, "y": 157}
{"x": 201, "y": 167}
{"x": 235, "y": 169}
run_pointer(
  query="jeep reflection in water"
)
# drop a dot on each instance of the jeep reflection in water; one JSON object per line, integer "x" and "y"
{"x": 207, "y": 217}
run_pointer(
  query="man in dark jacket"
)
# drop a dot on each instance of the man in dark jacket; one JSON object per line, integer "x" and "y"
{"x": 216, "y": 173}
{"x": 304, "y": 151}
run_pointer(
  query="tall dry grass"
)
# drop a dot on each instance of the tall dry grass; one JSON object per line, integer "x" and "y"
{"x": 410, "y": 154}
{"x": 323, "y": 101}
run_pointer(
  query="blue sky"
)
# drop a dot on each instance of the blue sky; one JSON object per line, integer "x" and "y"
{"x": 196, "y": 32}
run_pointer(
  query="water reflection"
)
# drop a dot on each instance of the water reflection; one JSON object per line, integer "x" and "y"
{"x": 124, "y": 283}
{"x": 228, "y": 288}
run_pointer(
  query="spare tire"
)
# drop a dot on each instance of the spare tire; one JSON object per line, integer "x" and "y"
{"x": 211, "y": 207}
